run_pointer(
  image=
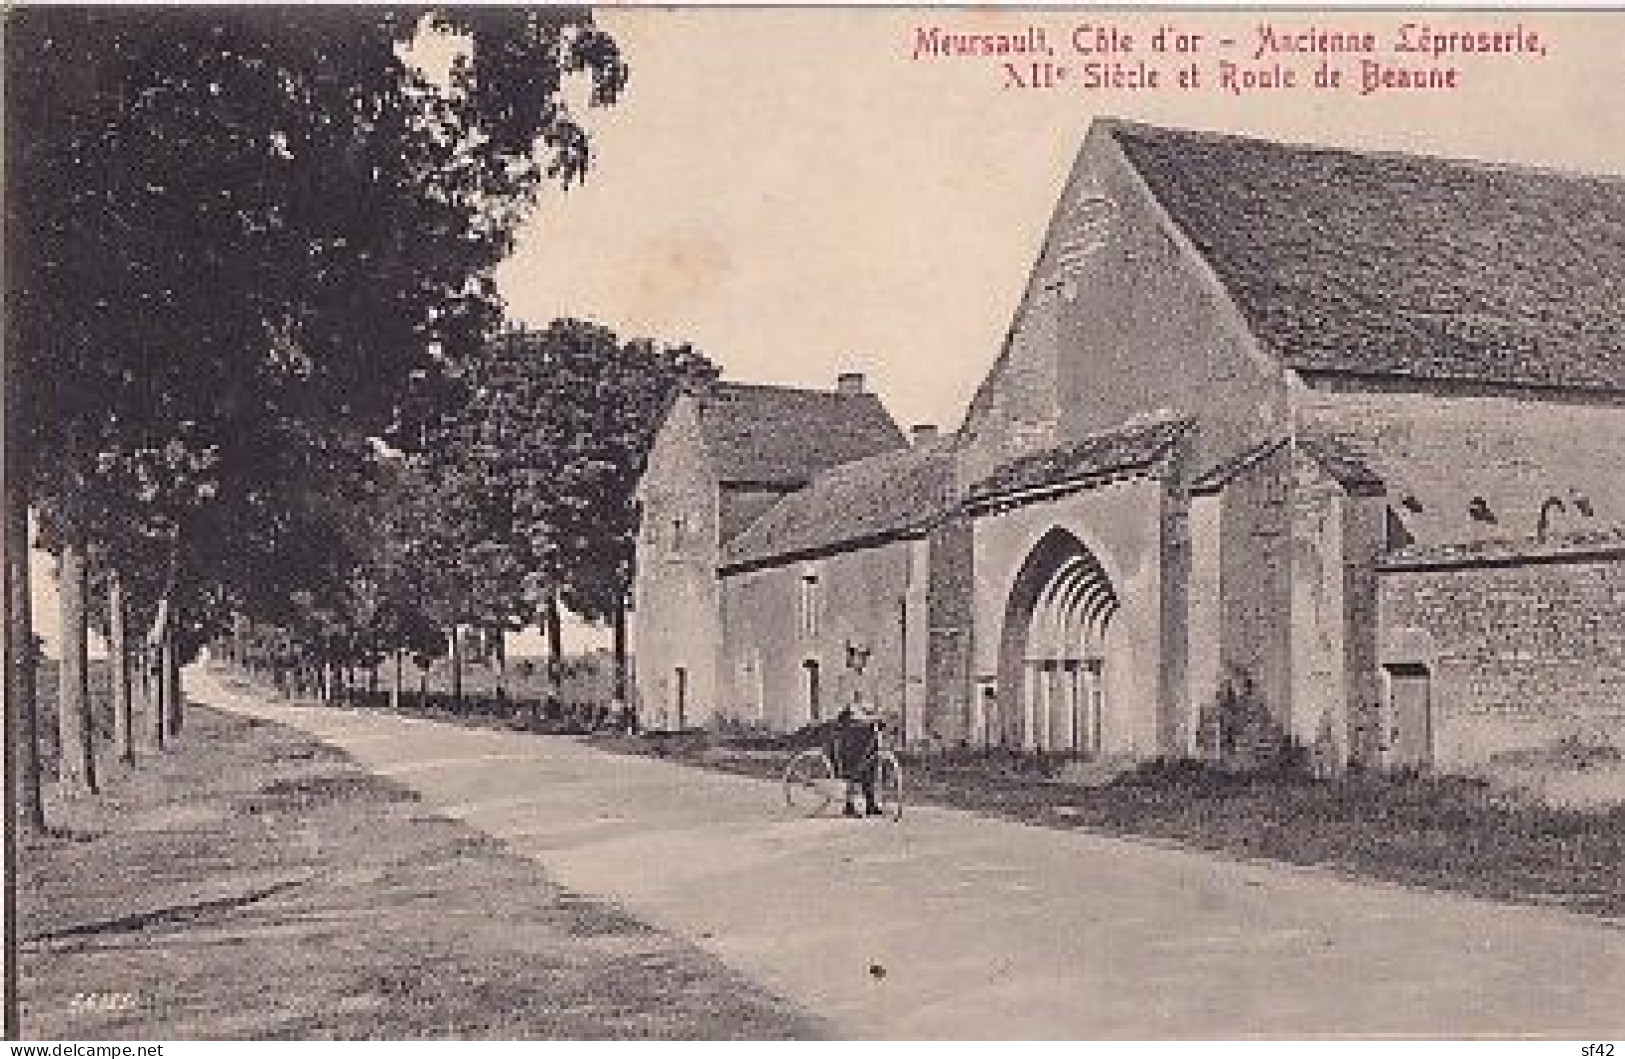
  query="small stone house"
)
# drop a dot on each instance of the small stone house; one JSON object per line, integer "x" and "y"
{"x": 1336, "y": 433}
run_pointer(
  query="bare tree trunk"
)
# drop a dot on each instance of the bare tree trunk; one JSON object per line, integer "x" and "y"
{"x": 619, "y": 647}
{"x": 423, "y": 684}
{"x": 174, "y": 699}
{"x": 164, "y": 676}
{"x": 76, "y": 753}
{"x": 152, "y": 694}
{"x": 395, "y": 682}
{"x": 456, "y": 668}
{"x": 553, "y": 626}
{"x": 499, "y": 654}
{"x": 118, "y": 657}
{"x": 22, "y": 702}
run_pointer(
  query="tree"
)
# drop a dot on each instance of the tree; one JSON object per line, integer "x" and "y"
{"x": 579, "y": 409}
{"x": 242, "y": 235}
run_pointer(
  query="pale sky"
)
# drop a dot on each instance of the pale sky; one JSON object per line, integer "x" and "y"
{"x": 794, "y": 194}
{"x": 790, "y": 191}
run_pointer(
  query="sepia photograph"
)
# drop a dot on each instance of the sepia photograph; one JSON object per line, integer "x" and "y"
{"x": 813, "y": 524}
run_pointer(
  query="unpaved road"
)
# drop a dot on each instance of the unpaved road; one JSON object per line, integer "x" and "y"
{"x": 951, "y": 925}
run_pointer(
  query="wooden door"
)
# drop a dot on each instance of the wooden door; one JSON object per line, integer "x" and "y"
{"x": 1409, "y": 721}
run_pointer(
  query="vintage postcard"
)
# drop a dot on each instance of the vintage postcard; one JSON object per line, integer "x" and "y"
{"x": 708, "y": 523}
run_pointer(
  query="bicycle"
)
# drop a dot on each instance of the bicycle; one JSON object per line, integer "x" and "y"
{"x": 811, "y": 783}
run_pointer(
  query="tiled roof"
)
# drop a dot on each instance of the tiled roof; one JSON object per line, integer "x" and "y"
{"x": 866, "y": 501}
{"x": 1339, "y": 459}
{"x": 775, "y": 435}
{"x": 1129, "y": 447}
{"x": 1343, "y": 461}
{"x": 1217, "y": 477}
{"x": 1403, "y": 266}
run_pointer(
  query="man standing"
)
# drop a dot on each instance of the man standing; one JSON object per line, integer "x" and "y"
{"x": 855, "y": 748}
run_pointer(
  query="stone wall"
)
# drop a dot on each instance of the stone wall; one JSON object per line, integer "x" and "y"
{"x": 1462, "y": 465}
{"x": 1121, "y": 318}
{"x": 1119, "y": 524}
{"x": 950, "y": 596}
{"x": 1521, "y": 653}
{"x": 675, "y": 627}
{"x": 860, "y": 599}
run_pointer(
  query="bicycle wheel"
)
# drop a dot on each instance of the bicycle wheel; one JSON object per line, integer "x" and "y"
{"x": 809, "y": 782}
{"x": 889, "y": 784}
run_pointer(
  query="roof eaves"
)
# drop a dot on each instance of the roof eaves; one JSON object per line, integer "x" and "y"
{"x": 1217, "y": 477}
{"x": 1605, "y": 544}
{"x": 1017, "y": 495}
{"x": 765, "y": 560}
{"x": 1345, "y": 466}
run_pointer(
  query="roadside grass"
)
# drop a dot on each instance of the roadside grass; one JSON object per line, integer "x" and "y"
{"x": 254, "y": 884}
{"x": 1450, "y": 833}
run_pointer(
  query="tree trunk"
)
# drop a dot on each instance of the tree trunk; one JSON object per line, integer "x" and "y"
{"x": 152, "y": 692}
{"x": 21, "y": 707}
{"x": 165, "y": 677}
{"x": 75, "y": 723}
{"x": 619, "y": 647}
{"x": 395, "y": 682}
{"x": 174, "y": 698}
{"x": 553, "y": 627}
{"x": 372, "y": 681}
{"x": 118, "y": 658}
{"x": 456, "y": 668}
{"x": 499, "y": 653}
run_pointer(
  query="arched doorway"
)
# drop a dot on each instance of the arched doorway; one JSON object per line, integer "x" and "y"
{"x": 1054, "y": 657}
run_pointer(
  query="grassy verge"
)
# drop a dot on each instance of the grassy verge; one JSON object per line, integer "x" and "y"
{"x": 254, "y": 884}
{"x": 1446, "y": 833}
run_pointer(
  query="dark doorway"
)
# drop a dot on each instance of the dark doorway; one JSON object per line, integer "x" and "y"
{"x": 815, "y": 709}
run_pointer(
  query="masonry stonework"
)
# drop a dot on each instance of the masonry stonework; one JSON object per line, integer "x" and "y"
{"x": 1522, "y": 654}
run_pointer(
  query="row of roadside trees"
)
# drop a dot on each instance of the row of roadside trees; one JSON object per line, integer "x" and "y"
{"x": 255, "y": 373}
{"x": 513, "y": 508}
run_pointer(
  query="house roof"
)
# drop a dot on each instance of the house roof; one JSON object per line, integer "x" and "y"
{"x": 1226, "y": 471}
{"x": 880, "y": 498}
{"x": 1130, "y": 447}
{"x": 1403, "y": 266}
{"x": 1343, "y": 461}
{"x": 779, "y": 436}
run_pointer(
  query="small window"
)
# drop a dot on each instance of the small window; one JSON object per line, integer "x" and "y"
{"x": 679, "y": 528}
{"x": 808, "y": 606}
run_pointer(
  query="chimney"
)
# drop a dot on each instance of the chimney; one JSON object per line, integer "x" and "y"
{"x": 849, "y": 382}
{"x": 922, "y": 434}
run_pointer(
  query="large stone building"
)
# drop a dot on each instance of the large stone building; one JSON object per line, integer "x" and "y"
{"x": 1336, "y": 434}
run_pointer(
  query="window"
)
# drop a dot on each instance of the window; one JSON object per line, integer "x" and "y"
{"x": 807, "y": 609}
{"x": 679, "y": 527}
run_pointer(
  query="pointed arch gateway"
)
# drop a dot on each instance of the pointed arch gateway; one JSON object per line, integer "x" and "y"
{"x": 1055, "y": 657}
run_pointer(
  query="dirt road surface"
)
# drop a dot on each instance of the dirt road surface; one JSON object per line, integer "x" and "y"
{"x": 952, "y": 925}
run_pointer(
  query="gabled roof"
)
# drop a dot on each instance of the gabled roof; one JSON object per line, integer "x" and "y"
{"x": 1399, "y": 265}
{"x": 1135, "y": 446}
{"x": 896, "y": 494}
{"x": 779, "y": 436}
